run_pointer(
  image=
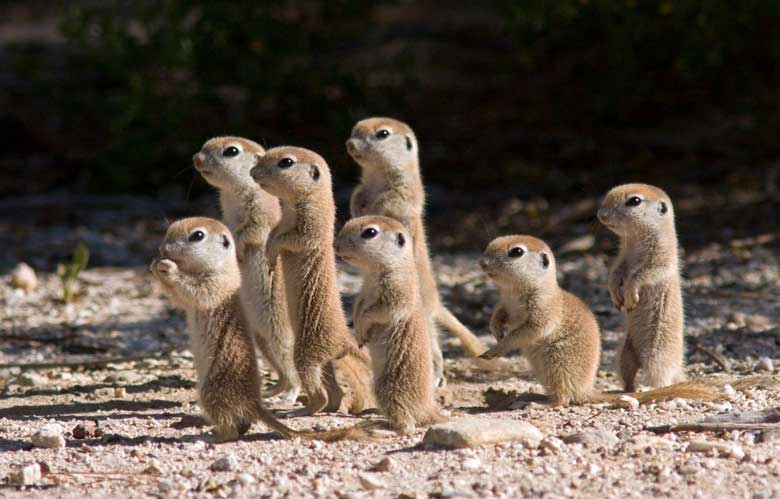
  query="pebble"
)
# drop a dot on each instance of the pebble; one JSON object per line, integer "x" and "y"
{"x": 386, "y": 464}
{"x": 472, "y": 463}
{"x": 473, "y": 432}
{"x": 120, "y": 392}
{"x": 764, "y": 364}
{"x": 152, "y": 469}
{"x": 26, "y": 475}
{"x": 595, "y": 438}
{"x": 730, "y": 450}
{"x": 552, "y": 444}
{"x": 31, "y": 379}
{"x": 225, "y": 463}
{"x": 23, "y": 277}
{"x": 370, "y": 481}
{"x": 50, "y": 436}
{"x": 81, "y": 431}
{"x": 631, "y": 403}
{"x": 245, "y": 479}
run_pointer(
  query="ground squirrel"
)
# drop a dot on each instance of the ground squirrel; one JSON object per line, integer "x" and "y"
{"x": 304, "y": 240}
{"x": 389, "y": 318}
{"x": 250, "y": 213}
{"x": 198, "y": 270}
{"x": 556, "y": 330}
{"x": 644, "y": 283}
{"x": 386, "y": 150}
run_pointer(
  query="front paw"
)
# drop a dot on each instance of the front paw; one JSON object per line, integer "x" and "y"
{"x": 630, "y": 297}
{"x": 164, "y": 269}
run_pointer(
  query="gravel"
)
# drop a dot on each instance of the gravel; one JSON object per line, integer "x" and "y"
{"x": 129, "y": 428}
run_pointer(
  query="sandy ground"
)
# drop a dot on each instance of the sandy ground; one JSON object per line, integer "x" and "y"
{"x": 139, "y": 450}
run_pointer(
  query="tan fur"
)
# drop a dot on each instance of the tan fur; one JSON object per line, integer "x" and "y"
{"x": 250, "y": 213}
{"x": 391, "y": 186}
{"x": 202, "y": 277}
{"x": 304, "y": 240}
{"x": 556, "y": 330}
{"x": 389, "y": 318}
{"x": 644, "y": 282}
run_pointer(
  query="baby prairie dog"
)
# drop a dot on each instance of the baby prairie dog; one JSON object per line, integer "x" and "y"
{"x": 556, "y": 330}
{"x": 304, "y": 240}
{"x": 250, "y": 213}
{"x": 198, "y": 270}
{"x": 391, "y": 186}
{"x": 389, "y": 318}
{"x": 644, "y": 283}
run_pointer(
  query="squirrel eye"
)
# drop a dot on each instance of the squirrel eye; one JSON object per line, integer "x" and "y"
{"x": 196, "y": 236}
{"x": 231, "y": 152}
{"x": 545, "y": 260}
{"x": 516, "y": 252}
{"x": 382, "y": 134}
{"x": 662, "y": 208}
{"x": 285, "y": 163}
{"x": 369, "y": 233}
{"x": 225, "y": 241}
{"x": 634, "y": 201}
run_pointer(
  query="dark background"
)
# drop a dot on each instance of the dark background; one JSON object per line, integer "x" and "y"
{"x": 523, "y": 109}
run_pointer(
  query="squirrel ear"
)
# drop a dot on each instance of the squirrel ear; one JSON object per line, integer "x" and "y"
{"x": 662, "y": 208}
{"x": 400, "y": 239}
{"x": 545, "y": 260}
{"x": 315, "y": 172}
{"x": 408, "y": 143}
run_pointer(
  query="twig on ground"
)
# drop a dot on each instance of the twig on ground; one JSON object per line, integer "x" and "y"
{"x": 713, "y": 427}
{"x": 715, "y": 357}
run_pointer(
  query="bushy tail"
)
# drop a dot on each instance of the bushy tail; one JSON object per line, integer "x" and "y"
{"x": 360, "y": 431}
{"x": 690, "y": 390}
{"x": 356, "y": 367}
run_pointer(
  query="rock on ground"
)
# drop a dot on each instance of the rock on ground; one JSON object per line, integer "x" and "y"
{"x": 473, "y": 432}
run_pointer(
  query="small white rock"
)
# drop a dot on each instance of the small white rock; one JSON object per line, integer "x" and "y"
{"x": 472, "y": 463}
{"x": 23, "y": 277}
{"x": 29, "y": 378}
{"x": 730, "y": 392}
{"x": 27, "y": 475}
{"x": 630, "y": 402}
{"x": 245, "y": 479}
{"x": 370, "y": 481}
{"x": 50, "y": 436}
{"x": 764, "y": 364}
{"x": 225, "y": 463}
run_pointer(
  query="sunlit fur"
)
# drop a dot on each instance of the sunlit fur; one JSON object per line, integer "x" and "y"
{"x": 304, "y": 241}
{"x": 644, "y": 282}
{"x": 388, "y": 317}
{"x": 250, "y": 213}
{"x": 391, "y": 186}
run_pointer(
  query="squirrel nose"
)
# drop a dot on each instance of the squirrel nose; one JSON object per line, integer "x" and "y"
{"x": 352, "y": 146}
{"x": 197, "y": 159}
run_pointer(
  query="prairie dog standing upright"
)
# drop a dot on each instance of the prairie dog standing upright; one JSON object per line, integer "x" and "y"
{"x": 389, "y": 318}
{"x": 250, "y": 213}
{"x": 391, "y": 186}
{"x": 556, "y": 330}
{"x": 304, "y": 240}
{"x": 644, "y": 283}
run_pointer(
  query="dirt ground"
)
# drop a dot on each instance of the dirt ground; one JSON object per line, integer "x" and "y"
{"x": 137, "y": 445}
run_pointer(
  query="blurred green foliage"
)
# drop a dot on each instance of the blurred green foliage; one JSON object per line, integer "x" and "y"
{"x": 630, "y": 60}
{"x": 558, "y": 92}
{"x": 69, "y": 272}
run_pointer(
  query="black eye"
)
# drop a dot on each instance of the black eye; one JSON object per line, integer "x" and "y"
{"x": 285, "y": 163}
{"x": 225, "y": 241}
{"x": 516, "y": 252}
{"x": 400, "y": 239}
{"x": 382, "y": 134}
{"x": 662, "y": 208}
{"x": 408, "y": 144}
{"x": 231, "y": 152}
{"x": 634, "y": 201}
{"x": 545, "y": 260}
{"x": 369, "y": 233}
{"x": 196, "y": 236}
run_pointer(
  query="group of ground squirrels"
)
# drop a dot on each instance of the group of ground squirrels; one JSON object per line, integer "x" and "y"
{"x": 265, "y": 277}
